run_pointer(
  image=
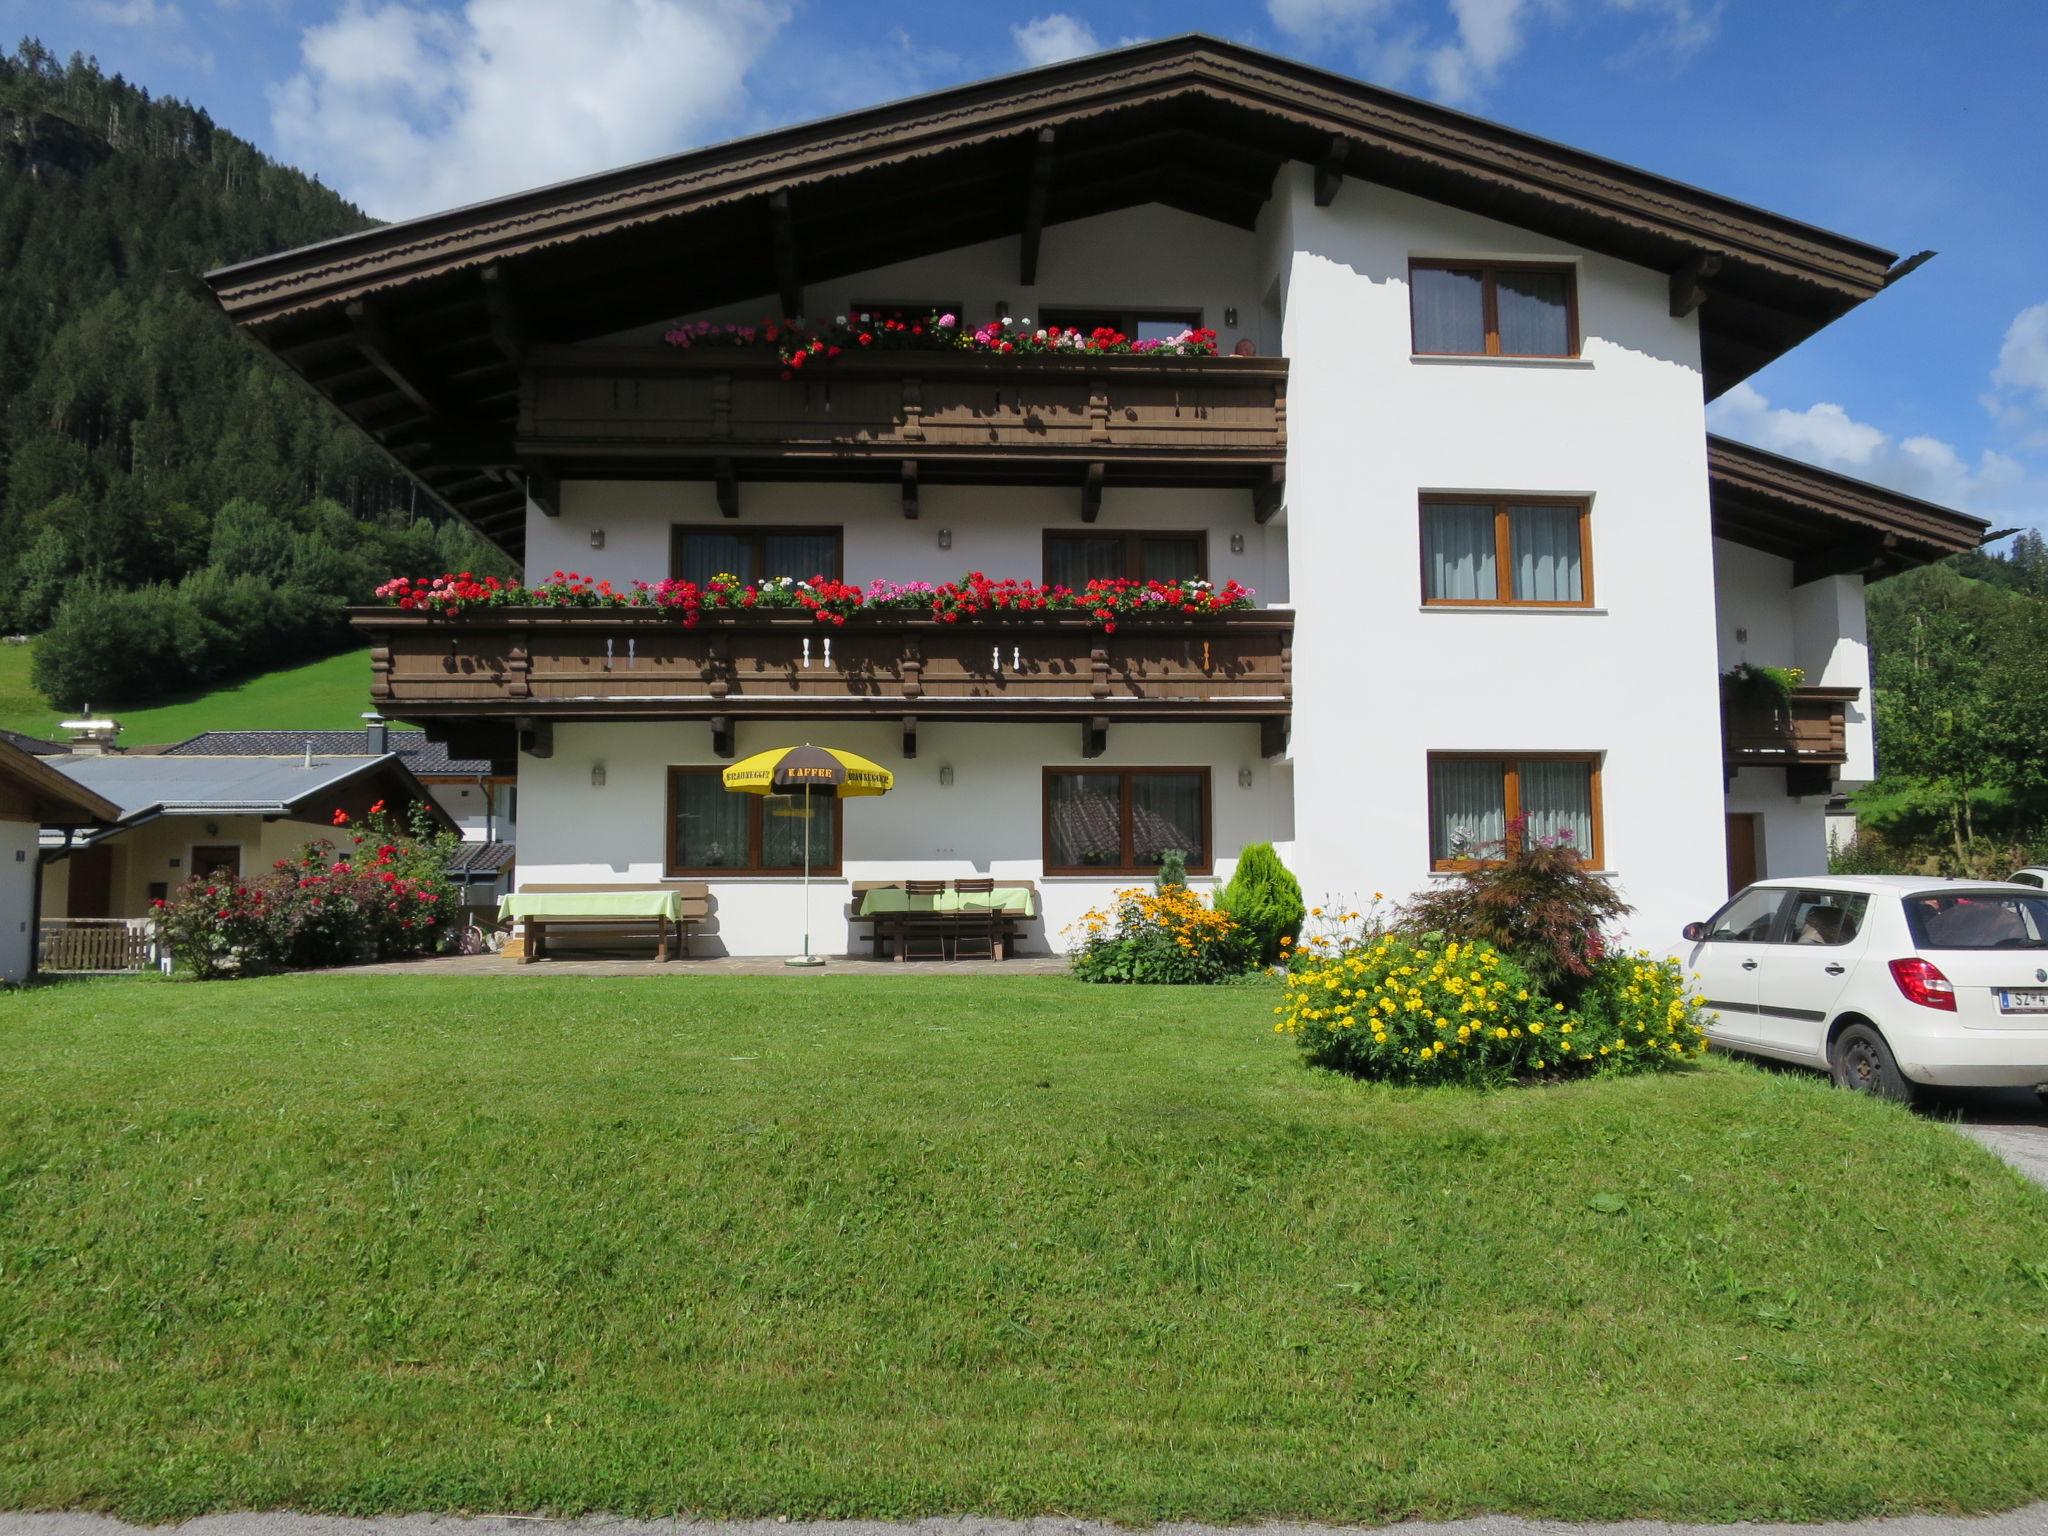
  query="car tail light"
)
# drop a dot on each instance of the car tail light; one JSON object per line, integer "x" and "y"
{"x": 1922, "y": 983}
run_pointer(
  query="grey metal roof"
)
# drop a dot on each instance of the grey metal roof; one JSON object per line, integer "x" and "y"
{"x": 478, "y": 861}
{"x": 195, "y": 786}
{"x": 423, "y": 757}
{"x": 34, "y": 746}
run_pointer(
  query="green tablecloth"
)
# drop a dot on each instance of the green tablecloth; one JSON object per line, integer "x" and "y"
{"x": 520, "y": 904}
{"x": 893, "y": 898}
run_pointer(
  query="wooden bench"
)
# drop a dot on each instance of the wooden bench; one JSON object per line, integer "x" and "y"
{"x": 696, "y": 906}
{"x": 892, "y": 928}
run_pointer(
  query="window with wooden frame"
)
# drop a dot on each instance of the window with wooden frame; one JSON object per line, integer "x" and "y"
{"x": 1517, "y": 551}
{"x": 713, "y": 831}
{"x": 698, "y": 553}
{"x": 1138, "y": 324}
{"x": 1474, "y": 797}
{"x": 1493, "y": 309}
{"x": 1073, "y": 559}
{"x": 1118, "y": 821}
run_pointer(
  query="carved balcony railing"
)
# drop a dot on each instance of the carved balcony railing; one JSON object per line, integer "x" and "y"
{"x": 565, "y": 664}
{"x": 1808, "y": 729}
{"x": 1141, "y": 419}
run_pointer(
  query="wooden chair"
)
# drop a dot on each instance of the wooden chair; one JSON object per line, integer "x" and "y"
{"x": 922, "y": 925}
{"x": 967, "y": 933}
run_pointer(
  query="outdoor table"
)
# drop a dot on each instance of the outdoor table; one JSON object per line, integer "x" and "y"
{"x": 884, "y": 899}
{"x": 537, "y": 909}
{"x": 893, "y": 907}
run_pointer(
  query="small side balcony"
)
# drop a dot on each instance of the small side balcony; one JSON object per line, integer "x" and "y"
{"x": 1806, "y": 729}
{"x": 535, "y": 665}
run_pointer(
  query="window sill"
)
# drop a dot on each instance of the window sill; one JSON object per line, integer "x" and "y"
{"x": 1480, "y": 360}
{"x": 757, "y": 876}
{"x": 1571, "y": 610}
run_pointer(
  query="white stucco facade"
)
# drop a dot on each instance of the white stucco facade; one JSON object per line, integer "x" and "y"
{"x": 17, "y": 896}
{"x": 1380, "y": 681}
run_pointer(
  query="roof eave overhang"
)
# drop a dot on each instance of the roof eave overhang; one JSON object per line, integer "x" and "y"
{"x": 1371, "y": 125}
{"x": 1828, "y": 523}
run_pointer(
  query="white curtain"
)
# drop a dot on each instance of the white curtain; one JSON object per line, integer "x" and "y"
{"x": 1557, "y": 801}
{"x": 710, "y": 823}
{"x": 1458, "y": 552}
{"x": 782, "y": 830}
{"x": 1450, "y": 310}
{"x": 1468, "y": 802}
{"x": 1531, "y": 309}
{"x": 1545, "y": 545}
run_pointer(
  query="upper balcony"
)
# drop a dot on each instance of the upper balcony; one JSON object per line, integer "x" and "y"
{"x": 731, "y": 415}
{"x": 1808, "y": 731}
{"x": 552, "y": 664}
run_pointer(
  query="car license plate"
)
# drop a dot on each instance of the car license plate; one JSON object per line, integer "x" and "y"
{"x": 2022, "y": 1002}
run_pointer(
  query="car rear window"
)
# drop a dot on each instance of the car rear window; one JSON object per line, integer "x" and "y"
{"x": 1978, "y": 920}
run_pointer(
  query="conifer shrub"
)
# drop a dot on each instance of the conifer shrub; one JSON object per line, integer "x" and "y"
{"x": 1264, "y": 899}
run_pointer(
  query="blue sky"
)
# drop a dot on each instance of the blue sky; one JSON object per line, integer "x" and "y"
{"x": 1907, "y": 125}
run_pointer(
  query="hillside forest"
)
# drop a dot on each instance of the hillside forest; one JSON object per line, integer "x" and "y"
{"x": 174, "y": 509}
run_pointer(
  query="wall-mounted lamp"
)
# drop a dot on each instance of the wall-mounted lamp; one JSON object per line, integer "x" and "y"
{"x": 946, "y": 774}
{"x": 597, "y": 775}
{"x": 597, "y": 538}
{"x": 1237, "y": 543}
{"x": 945, "y": 538}
{"x": 1230, "y": 315}
{"x": 1741, "y": 636}
{"x": 1244, "y": 778}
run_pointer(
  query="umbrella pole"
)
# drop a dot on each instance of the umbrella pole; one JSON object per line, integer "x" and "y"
{"x": 806, "y": 958}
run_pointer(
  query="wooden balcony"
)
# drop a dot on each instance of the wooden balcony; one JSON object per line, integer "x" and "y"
{"x": 552, "y": 665}
{"x": 1808, "y": 730}
{"x": 729, "y": 414}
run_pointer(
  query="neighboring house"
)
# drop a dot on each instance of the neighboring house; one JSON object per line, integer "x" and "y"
{"x": 482, "y": 803}
{"x": 1456, "y": 439}
{"x": 34, "y": 795}
{"x": 185, "y": 815}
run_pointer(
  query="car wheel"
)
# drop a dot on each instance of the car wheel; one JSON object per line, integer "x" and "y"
{"x": 1861, "y": 1061}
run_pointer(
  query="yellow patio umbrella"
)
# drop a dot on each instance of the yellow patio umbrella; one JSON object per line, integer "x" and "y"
{"x": 808, "y": 771}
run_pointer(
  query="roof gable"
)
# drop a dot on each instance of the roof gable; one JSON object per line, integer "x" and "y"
{"x": 417, "y": 330}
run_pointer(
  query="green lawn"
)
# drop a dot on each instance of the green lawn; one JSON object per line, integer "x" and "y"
{"x": 327, "y": 695}
{"x": 841, "y": 1246}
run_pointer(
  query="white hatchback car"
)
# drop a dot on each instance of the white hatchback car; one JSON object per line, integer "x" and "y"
{"x": 1888, "y": 981}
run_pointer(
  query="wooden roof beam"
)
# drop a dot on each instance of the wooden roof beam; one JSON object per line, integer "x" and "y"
{"x": 544, "y": 490}
{"x": 728, "y": 482}
{"x": 509, "y": 333}
{"x": 371, "y": 332}
{"x": 782, "y": 233}
{"x": 909, "y": 477}
{"x": 1859, "y": 557}
{"x": 1689, "y": 283}
{"x": 1039, "y": 186}
{"x": 1330, "y": 173}
{"x": 1270, "y": 495}
{"x": 1091, "y": 492}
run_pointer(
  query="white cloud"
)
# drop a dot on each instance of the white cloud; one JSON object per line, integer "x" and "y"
{"x": 2023, "y": 358}
{"x": 1996, "y": 485}
{"x": 1459, "y": 52}
{"x": 409, "y": 109}
{"x": 134, "y": 13}
{"x": 1049, "y": 39}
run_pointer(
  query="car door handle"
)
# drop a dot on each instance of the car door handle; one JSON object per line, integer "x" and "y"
{"x": 1749, "y": 965}
{"x": 1834, "y": 968}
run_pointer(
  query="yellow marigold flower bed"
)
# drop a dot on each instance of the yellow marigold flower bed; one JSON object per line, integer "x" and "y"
{"x": 1170, "y": 934}
{"x": 1431, "y": 1009}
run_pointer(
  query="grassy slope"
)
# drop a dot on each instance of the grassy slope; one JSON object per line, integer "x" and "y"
{"x": 320, "y": 695}
{"x": 879, "y": 1246}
